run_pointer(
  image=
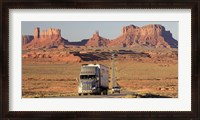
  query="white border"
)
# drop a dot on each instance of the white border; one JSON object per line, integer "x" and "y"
{"x": 182, "y": 103}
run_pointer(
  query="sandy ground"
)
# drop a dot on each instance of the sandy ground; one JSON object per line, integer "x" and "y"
{"x": 54, "y": 73}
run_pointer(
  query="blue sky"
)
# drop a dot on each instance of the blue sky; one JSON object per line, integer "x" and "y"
{"x": 78, "y": 30}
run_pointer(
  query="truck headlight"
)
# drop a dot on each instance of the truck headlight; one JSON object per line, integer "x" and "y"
{"x": 93, "y": 88}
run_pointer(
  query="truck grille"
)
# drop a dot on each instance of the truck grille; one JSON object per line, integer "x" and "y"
{"x": 86, "y": 86}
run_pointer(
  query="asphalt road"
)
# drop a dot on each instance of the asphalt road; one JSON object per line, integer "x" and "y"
{"x": 123, "y": 94}
{"x": 115, "y": 95}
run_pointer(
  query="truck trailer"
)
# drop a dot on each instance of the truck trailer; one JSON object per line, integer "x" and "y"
{"x": 93, "y": 79}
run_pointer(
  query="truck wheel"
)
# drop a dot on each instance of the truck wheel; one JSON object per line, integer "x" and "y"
{"x": 105, "y": 92}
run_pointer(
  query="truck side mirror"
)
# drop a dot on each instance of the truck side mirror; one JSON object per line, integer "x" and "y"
{"x": 77, "y": 79}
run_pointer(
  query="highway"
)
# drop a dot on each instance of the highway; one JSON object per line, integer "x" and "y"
{"x": 123, "y": 94}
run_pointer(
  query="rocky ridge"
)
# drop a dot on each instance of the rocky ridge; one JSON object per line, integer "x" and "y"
{"x": 149, "y": 35}
{"x": 153, "y": 35}
{"x": 97, "y": 41}
{"x": 50, "y": 56}
{"x": 49, "y": 38}
{"x": 26, "y": 39}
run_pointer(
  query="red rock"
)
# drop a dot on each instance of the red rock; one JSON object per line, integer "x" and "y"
{"x": 152, "y": 35}
{"x": 52, "y": 56}
{"x": 97, "y": 41}
{"x": 37, "y": 33}
{"x": 26, "y": 39}
{"x": 51, "y": 34}
{"x": 61, "y": 47}
{"x": 25, "y": 56}
{"x": 50, "y": 38}
{"x": 71, "y": 58}
{"x": 149, "y": 35}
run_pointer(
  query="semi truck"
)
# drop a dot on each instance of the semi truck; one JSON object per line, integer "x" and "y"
{"x": 93, "y": 79}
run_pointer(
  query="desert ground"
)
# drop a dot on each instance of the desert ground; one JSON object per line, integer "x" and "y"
{"x": 143, "y": 72}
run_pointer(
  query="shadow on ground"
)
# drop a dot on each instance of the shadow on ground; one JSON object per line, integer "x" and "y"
{"x": 149, "y": 95}
{"x": 97, "y": 56}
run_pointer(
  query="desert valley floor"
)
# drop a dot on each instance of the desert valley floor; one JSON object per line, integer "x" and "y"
{"x": 54, "y": 72}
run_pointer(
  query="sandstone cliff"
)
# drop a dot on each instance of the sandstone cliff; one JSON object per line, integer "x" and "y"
{"x": 97, "y": 41}
{"x": 50, "y": 38}
{"x": 26, "y": 39}
{"x": 51, "y": 34}
{"x": 153, "y": 35}
{"x": 150, "y": 35}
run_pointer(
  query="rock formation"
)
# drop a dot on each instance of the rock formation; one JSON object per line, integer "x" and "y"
{"x": 51, "y": 56}
{"x": 51, "y": 34}
{"x": 153, "y": 35}
{"x": 26, "y": 39}
{"x": 150, "y": 35}
{"x": 50, "y": 38}
{"x": 97, "y": 41}
{"x": 79, "y": 43}
{"x": 37, "y": 33}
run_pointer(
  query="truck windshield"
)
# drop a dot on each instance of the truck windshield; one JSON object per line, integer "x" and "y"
{"x": 87, "y": 76}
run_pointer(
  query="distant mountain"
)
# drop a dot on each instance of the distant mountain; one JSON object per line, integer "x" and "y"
{"x": 150, "y": 35}
{"x": 49, "y": 38}
{"x": 97, "y": 41}
{"x": 153, "y": 35}
{"x": 26, "y": 39}
{"x": 79, "y": 43}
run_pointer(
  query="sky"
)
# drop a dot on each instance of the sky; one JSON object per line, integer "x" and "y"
{"x": 78, "y": 30}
